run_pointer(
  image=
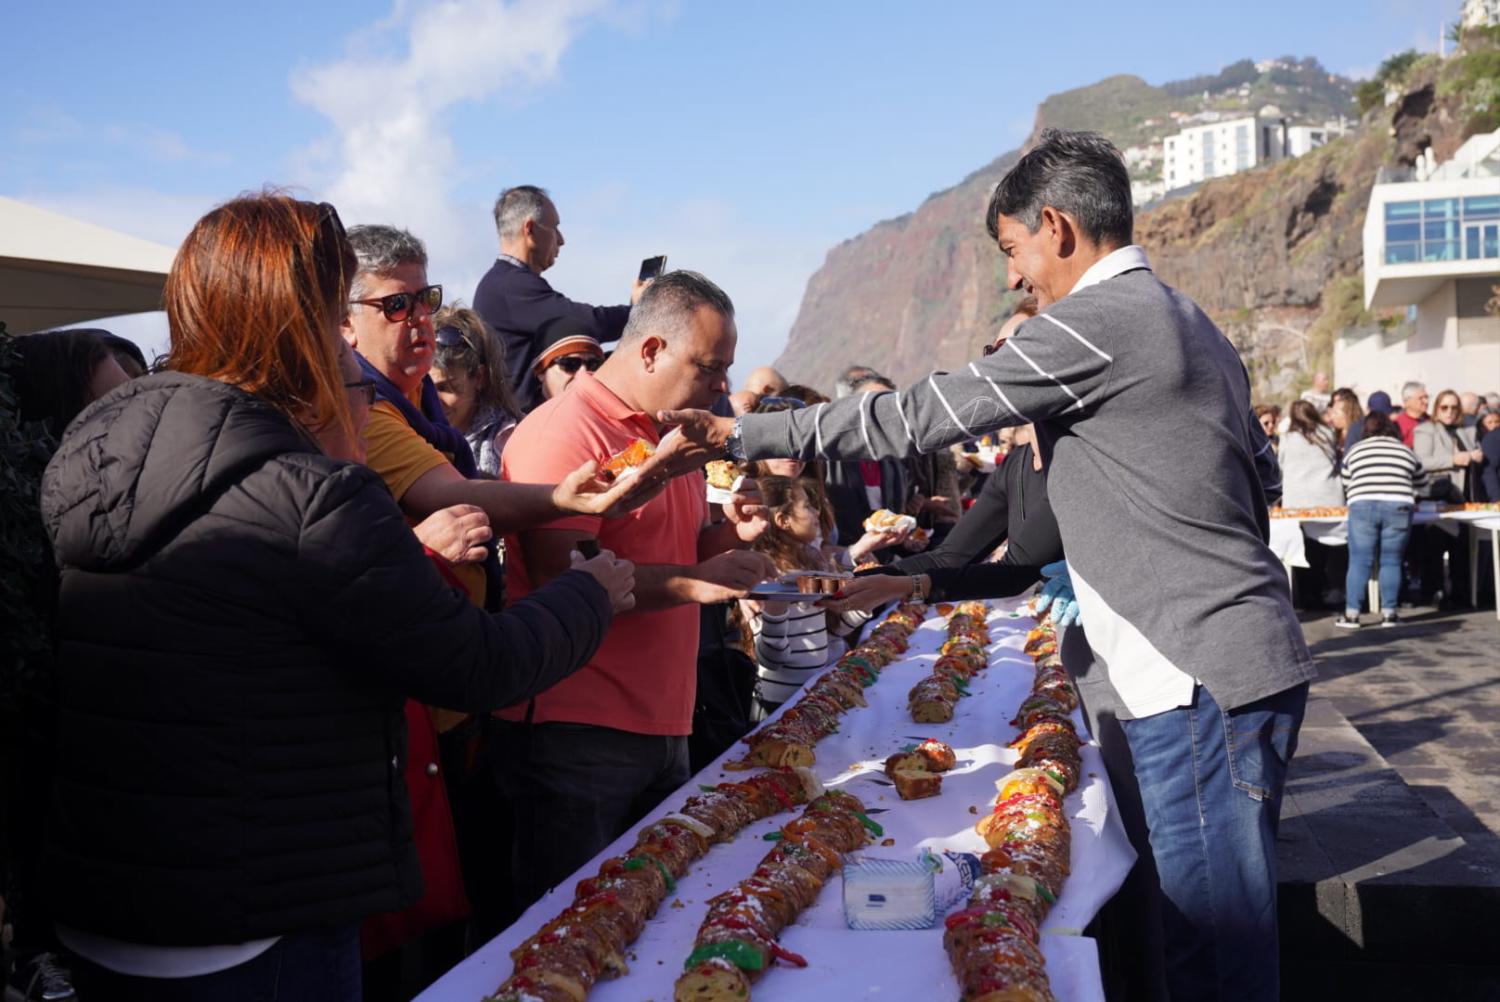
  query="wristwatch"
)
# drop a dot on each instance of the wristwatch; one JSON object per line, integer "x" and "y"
{"x": 734, "y": 446}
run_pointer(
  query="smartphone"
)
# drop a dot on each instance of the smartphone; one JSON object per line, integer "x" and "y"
{"x": 652, "y": 267}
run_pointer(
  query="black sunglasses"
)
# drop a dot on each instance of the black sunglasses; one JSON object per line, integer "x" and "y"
{"x": 402, "y": 305}
{"x": 367, "y": 390}
{"x": 572, "y": 363}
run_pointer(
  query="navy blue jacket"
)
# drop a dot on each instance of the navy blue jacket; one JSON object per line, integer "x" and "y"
{"x": 516, "y": 302}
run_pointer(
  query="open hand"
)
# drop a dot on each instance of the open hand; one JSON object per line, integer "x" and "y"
{"x": 876, "y": 539}
{"x": 583, "y": 493}
{"x": 457, "y": 533}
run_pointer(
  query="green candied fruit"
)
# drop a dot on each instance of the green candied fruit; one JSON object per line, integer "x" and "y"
{"x": 741, "y": 955}
{"x": 636, "y": 862}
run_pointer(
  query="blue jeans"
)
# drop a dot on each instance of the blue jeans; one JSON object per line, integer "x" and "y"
{"x": 319, "y": 966}
{"x": 1211, "y": 785}
{"x": 1376, "y": 525}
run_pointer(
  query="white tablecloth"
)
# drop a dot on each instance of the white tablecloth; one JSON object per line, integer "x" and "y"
{"x": 1287, "y": 534}
{"x": 844, "y": 964}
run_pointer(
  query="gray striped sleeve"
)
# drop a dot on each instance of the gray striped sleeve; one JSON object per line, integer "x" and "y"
{"x": 1054, "y": 366}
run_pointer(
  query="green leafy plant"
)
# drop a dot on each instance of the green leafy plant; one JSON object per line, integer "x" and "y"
{"x": 1370, "y": 94}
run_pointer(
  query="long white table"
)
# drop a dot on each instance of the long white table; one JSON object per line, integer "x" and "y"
{"x": 845, "y": 964}
{"x": 1288, "y": 535}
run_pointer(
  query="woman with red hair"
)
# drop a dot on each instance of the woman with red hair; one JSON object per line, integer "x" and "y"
{"x": 243, "y": 613}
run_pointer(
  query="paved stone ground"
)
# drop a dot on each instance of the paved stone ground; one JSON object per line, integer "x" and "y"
{"x": 1426, "y": 695}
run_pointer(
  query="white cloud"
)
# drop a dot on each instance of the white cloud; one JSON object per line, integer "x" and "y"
{"x": 391, "y": 157}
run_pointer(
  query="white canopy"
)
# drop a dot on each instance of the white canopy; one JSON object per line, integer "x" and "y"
{"x": 56, "y": 271}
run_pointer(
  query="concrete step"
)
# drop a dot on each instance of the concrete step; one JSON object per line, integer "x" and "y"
{"x": 1377, "y": 891}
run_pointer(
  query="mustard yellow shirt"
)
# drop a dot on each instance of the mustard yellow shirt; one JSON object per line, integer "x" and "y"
{"x": 401, "y": 457}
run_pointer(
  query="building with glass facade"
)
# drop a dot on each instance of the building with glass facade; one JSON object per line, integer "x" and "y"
{"x": 1432, "y": 246}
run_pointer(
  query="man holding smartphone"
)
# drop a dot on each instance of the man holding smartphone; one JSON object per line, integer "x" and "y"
{"x": 517, "y": 302}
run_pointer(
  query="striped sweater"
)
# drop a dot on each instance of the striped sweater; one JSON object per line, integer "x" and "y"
{"x": 792, "y": 647}
{"x": 1157, "y": 470}
{"x": 1382, "y": 469}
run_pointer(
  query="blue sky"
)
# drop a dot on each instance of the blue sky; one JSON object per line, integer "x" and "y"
{"x": 742, "y": 140}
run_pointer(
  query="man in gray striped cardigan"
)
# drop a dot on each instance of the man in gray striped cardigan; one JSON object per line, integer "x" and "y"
{"x": 1160, "y": 478}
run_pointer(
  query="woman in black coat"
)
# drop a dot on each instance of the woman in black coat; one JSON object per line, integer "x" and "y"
{"x": 242, "y": 615}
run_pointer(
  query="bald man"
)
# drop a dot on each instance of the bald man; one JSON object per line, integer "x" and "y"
{"x": 766, "y": 382}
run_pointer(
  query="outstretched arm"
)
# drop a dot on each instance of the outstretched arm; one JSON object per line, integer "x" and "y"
{"x": 1052, "y": 367}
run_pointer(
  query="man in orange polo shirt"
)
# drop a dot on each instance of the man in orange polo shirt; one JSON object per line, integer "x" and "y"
{"x": 589, "y": 757}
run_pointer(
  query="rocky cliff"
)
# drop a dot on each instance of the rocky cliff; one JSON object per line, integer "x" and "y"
{"x": 1267, "y": 252}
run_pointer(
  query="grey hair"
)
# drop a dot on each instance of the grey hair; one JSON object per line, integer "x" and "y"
{"x": 670, "y": 302}
{"x": 1079, "y": 173}
{"x": 872, "y": 380}
{"x": 851, "y": 376}
{"x": 517, "y": 206}
{"x": 1411, "y": 389}
{"x": 380, "y": 250}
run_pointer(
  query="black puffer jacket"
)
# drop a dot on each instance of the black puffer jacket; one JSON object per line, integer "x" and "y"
{"x": 240, "y": 620}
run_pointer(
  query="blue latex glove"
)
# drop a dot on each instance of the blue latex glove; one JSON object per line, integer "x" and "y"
{"x": 1057, "y": 595}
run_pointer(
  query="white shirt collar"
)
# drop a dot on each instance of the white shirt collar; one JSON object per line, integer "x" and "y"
{"x": 1114, "y": 263}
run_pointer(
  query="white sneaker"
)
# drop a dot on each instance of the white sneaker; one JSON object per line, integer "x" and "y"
{"x": 1347, "y": 622}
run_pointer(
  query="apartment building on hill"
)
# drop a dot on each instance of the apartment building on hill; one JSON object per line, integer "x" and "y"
{"x": 1432, "y": 245}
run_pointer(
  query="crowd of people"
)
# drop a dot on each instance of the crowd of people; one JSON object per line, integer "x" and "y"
{"x": 1444, "y": 450}
{"x": 338, "y": 645}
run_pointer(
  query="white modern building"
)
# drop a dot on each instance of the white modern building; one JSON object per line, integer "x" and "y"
{"x": 1221, "y": 148}
{"x": 1480, "y": 13}
{"x": 1302, "y": 139}
{"x": 1143, "y": 192}
{"x": 1432, "y": 245}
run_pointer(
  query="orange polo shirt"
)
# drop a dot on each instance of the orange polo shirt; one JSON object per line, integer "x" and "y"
{"x": 644, "y": 675}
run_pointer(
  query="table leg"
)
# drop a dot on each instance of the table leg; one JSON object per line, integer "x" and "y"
{"x": 1495, "y": 566}
{"x": 1472, "y": 532}
{"x": 1373, "y": 591}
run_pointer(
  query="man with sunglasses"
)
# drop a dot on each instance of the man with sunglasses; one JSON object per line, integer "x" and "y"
{"x": 568, "y": 347}
{"x": 426, "y": 462}
{"x": 517, "y": 302}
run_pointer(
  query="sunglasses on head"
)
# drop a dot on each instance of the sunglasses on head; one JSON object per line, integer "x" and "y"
{"x": 402, "y": 305}
{"x": 572, "y": 363}
{"x": 449, "y": 336}
{"x": 366, "y": 388}
{"x": 780, "y": 404}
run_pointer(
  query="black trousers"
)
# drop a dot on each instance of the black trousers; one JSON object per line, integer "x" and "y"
{"x": 573, "y": 789}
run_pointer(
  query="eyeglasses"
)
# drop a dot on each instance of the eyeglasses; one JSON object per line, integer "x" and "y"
{"x": 366, "y": 388}
{"x": 449, "y": 336}
{"x": 572, "y": 363}
{"x": 400, "y": 306}
{"x": 1447, "y": 407}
